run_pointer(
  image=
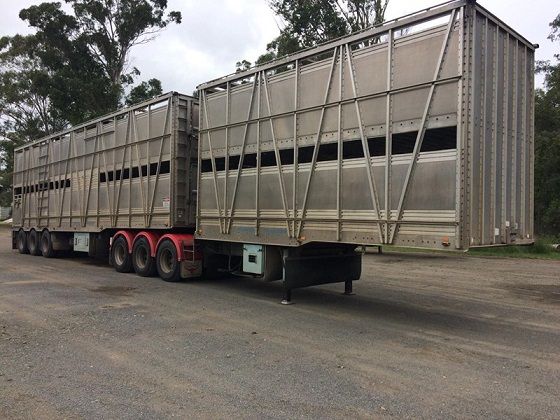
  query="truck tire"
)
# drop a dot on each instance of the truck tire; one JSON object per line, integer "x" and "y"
{"x": 144, "y": 264}
{"x": 33, "y": 242}
{"x": 22, "y": 242}
{"x": 122, "y": 260}
{"x": 46, "y": 245}
{"x": 168, "y": 267}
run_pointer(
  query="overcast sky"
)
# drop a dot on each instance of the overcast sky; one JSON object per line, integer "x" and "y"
{"x": 215, "y": 34}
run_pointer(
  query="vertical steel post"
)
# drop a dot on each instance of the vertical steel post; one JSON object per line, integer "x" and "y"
{"x": 388, "y": 136}
{"x": 226, "y": 169}
{"x": 295, "y": 145}
{"x": 531, "y": 147}
{"x": 493, "y": 199}
{"x": 482, "y": 196}
{"x": 339, "y": 156}
{"x": 469, "y": 139}
{"x": 505, "y": 116}
{"x": 258, "y": 169}
{"x": 460, "y": 157}
{"x": 514, "y": 134}
{"x": 523, "y": 78}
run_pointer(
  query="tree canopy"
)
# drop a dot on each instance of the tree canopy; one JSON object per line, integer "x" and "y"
{"x": 74, "y": 67}
{"x": 144, "y": 91}
{"x": 309, "y": 23}
{"x": 547, "y": 142}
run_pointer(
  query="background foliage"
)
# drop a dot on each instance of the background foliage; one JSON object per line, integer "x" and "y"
{"x": 308, "y": 23}
{"x": 72, "y": 68}
{"x": 547, "y": 143}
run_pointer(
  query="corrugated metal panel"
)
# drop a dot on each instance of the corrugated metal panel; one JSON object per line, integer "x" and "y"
{"x": 500, "y": 134}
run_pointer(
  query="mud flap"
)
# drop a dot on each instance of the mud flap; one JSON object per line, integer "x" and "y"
{"x": 191, "y": 268}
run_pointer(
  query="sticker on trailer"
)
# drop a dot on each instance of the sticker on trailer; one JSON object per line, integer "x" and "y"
{"x": 166, "y": 203}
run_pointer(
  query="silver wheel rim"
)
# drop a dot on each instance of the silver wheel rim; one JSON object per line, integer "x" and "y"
{"x": 120, "y": 254}
{"x": 141, "y": 257}
{"x": 166, "y": 261}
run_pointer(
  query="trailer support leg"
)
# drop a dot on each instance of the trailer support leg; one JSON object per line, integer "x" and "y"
{"x": 287, "y": 297}
{"x": 348, "y": 288}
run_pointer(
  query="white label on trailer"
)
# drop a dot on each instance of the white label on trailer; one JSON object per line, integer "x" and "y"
{"x": 166, "y": 202}
{"x": 81, "y": 242}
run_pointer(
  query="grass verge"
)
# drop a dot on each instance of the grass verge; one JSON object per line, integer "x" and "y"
{"x": 541, "y": 249}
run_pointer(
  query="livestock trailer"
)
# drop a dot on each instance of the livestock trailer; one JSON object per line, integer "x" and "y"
{"x": 416, "y": 132}
{"x": 128, "y": 176}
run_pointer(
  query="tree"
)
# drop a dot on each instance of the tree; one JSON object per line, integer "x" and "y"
{"x": 547, "y": 143}
{"x": 73, "y": 68}
{"x": 242, "y": 66}
{"x": 108, "y": 29}
{"x": 312, "y": 22}
{"x": 144, "y": 91}
{"x": 7, "y": 147}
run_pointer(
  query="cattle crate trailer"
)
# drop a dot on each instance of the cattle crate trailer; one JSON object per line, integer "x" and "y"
{"x": 417, "y": 132}
{"x": 125, "y": 182}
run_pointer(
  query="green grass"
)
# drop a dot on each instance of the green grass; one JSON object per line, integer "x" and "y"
{"x": 541, "y": 249}
{"x": 404, "y": 249}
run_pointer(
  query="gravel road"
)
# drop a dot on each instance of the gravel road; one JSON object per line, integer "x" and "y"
{"x": 425, "y": 336}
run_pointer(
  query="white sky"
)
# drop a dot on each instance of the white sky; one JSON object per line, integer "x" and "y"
{"x": 215, "y": 34}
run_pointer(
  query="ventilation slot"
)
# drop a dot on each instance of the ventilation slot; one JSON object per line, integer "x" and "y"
{"x": 268, "y": 159}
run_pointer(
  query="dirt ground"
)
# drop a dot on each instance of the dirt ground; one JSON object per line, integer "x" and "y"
{"x": 425, "y": 336}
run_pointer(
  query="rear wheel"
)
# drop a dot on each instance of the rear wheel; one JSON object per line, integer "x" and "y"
{"x": 22, "y": 242}
{"x": 120, "y": 257}
{"x": 46, "y": 245}
{"x": 33, "y": 240}
{"x": 168, "y": 266}
{"x": 144, "y": 264}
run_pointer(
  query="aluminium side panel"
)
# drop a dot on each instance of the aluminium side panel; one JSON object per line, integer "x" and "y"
{"x": 356, "y": 143}
{"x": 124, "y": 170}
{"x": 501, "y": 133}
{"x": 184, "y": 177}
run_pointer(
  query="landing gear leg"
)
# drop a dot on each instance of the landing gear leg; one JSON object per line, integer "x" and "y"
{"x": 348, "y": 288}
{"x": 287, "y": 297}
